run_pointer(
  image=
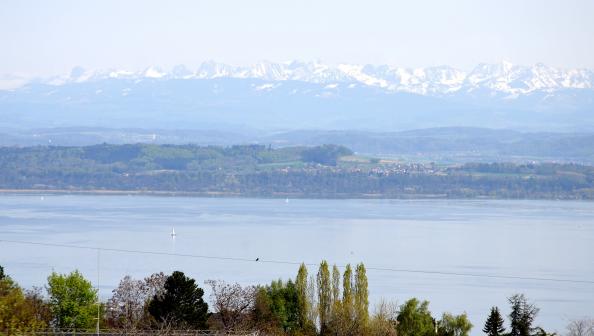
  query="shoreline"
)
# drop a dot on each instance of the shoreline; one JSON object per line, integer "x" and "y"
{"x": 221, "y": 194}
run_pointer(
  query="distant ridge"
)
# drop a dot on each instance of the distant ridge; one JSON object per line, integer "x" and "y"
{"x": 301, "y": 95}
{"x": 449, "y": 144}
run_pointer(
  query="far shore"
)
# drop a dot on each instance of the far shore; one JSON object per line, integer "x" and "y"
{"x": 222, "y": 194}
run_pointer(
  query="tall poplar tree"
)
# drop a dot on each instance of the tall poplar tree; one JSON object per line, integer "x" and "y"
{"x": 336, "y": 310}
{"x": 335, "y": 289}
{"x": 361, "y": 297}
{"x": 324, "y": 296}
{"x": 311, "y": 296}
{"x": 348, "y": 300}
{"x": 494, "y": 324}
{"x": 302, "y": 296}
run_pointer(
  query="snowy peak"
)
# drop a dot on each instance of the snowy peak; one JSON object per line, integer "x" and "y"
{"x": 154, "y": 72}
{"x": 505, "y": 77}
{"x": 212, "y": 69}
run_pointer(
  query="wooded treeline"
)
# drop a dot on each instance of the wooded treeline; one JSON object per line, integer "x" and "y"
{"x": 256, "y": 170}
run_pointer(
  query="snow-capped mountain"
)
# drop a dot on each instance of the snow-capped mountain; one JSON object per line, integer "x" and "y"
{"x": 502, "y": 78}
{"x": 305, "y": 95}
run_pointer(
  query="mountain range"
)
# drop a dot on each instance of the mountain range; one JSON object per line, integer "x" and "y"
{"x": 503, "y": 78}
{"x": 312, "y": 95}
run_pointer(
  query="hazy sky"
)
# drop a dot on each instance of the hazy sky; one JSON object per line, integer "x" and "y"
{"x": 49, "y": 37}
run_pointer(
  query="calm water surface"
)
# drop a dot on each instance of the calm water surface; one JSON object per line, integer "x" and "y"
{"x": 533, "y": 239}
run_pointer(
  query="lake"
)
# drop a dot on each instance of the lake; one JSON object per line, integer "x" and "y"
{"x": 423, "y": 243}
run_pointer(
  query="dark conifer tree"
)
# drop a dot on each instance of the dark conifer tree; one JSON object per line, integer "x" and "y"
{"x": 522, "y": 315}
{"x": 181, "y": 303}
{"x": 494, "y": 324}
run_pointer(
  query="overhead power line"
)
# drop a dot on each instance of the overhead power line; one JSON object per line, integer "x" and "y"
{"x": 285, "y": 262}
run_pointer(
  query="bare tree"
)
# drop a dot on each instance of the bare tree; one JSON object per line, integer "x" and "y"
{"x": 583, "y": 327}
{"x": 384, "y": 319}
{"x": 39, "y": 308}
{"x": 127, "y": 306}
{"x": 232, "y": 304}
{"x": 154, "y": 285}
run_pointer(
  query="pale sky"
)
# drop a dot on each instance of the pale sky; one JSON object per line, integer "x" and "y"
{"x": 51, "y": 37}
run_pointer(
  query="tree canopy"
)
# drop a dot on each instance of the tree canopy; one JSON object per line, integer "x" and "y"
{"x": 181, "y": 304}
{"x": 72, "y": 300}
{"x": 452, "y": 325}
{"x": 414, "y": 319}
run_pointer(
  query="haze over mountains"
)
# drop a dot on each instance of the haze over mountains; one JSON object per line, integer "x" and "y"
{"x": 299, "y": 95}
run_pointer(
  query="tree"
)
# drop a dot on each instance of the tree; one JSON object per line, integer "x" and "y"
{"x": 384, "y": 320}
{"x": 264, "y": 318}
{"x": 21, "y": 312}
{"x": 2, "y": 276}
{"x": 335, "y": 292}
{"x": 348, "y": 299}
{"x": 276, "y": 309}
{"x": 494, "y": 324}
{"x": 583, "y": 327}
{"x": 311, "y": 296}
{"x": 324, "y": 296}
{"x": 155, "y": 285}
{"x": 37, "y": 307}
{"x": 340, "y": 323}
{"x": 231, "y": 304}
{"x": 414, "y": 319}
{"x": 522, "y": 315}
{"x": 127, "y": 308}
{"x": 181, "y": 303}
{"x": 11, "y": 299}
{"x": 72, "y": 300}
{"x": 343, "y": 320}
{"x": 304, "y": 302}
{"x": 451, "y": 325}
{"x": 361, "y": 297}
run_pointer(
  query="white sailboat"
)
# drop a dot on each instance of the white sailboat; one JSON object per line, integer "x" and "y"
{"x": 173, "y": 234}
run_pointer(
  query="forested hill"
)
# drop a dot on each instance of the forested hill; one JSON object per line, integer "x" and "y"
{"x": 256, "y": 170}
{"x": 443, "y": 145}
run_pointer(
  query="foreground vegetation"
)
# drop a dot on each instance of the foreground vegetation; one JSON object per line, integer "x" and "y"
{"x": 327, "y": 303}
{"x": 256, "y": 170}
